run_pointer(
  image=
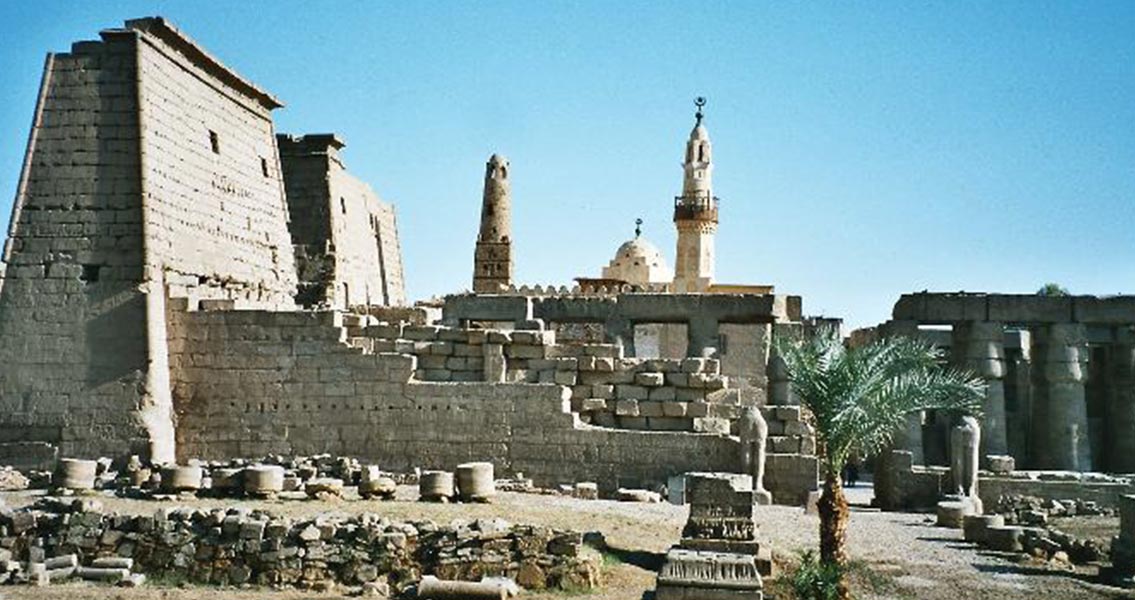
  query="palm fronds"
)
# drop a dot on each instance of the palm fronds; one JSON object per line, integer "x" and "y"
{"x": 860, "y": 396}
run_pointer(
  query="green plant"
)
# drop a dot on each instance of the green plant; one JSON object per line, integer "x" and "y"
{"x": 814, "y": 579}
{"x": 858, "y": 398}
{"x": 610, "y": 559}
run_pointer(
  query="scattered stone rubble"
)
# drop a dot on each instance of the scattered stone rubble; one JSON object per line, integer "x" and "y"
{"x": 1020, "y": 526}
{"x": 12, "y": 480}
{"x": 60, "y": 538}
{"x": 1031, "y": 510}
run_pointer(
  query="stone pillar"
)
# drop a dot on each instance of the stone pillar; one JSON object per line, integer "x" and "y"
{"x": 979, "y": 346}
{"x": 703, "y": 337}
{"x": 1060, "y": 434}
{"x": 908, "y": 437}
{"x": 1121, "y": 395}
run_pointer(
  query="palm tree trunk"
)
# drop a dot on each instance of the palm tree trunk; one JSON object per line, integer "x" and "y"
{"x": 833, "y": 528}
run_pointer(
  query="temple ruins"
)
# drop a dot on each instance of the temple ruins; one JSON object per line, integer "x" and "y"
{"x": 192, "y": 302}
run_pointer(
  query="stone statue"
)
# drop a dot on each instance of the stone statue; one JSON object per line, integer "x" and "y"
{"x": 965, "y": 439}
{"x": 754, "y": 433}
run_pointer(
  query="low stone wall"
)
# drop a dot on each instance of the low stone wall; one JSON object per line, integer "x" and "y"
{"x": 902, "y": 485}
{"x": 1103, "y": 490}
{"x": 238, "y": 546}
{"x": 607, "y": 389}
{"x": 253, "y": 383}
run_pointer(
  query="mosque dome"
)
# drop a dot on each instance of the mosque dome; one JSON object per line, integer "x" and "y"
{"x": 638, "y": 262}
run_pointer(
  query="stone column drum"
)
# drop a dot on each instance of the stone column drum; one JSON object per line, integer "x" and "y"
{"x": 1060, "y": 437}
{"x": 76, "y": 474}
{"x": 436, "y": 486}
{"x": 263, "y": 480}
{"x": 475, "y": 482}
{"x": 979, "y": 346}
{"x": 181, "y": 478}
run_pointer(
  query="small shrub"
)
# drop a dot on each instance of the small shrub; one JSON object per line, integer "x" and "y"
{"x": 815, "y": 579}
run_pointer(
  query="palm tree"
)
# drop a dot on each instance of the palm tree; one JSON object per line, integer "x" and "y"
{"x": 859, "y": 397}
{"x": 1052, "y": 289}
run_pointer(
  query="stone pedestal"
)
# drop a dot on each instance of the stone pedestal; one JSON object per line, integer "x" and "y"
{"x": 1123, "y": 545}
{"x": 475, "y": 482}
{"x": 1060, "y": 437}
{"x": 75, "y": 474}
{"x": 719, "y": 556}
{"x": 954, "y": 509}
{"x": 703, "y": 575}
{"x": 979, "y": 346}
{"x": 263, "y": 480}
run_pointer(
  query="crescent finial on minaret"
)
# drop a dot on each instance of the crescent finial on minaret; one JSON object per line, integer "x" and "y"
{"x": 700, "y": 103}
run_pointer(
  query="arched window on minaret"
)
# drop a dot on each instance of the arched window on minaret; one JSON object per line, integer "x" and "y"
{"x": 701, "y": 152}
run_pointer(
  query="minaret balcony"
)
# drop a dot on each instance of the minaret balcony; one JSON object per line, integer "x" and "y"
{"x": 695, "y": 208}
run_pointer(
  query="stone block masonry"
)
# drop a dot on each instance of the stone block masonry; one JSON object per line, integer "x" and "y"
{"x": 73, "y": 337}
{"x": 152, "y": 171}
{"x": 345, "y": 238}
{"x": 252, "y": 383}
{"x": 237, "y": 547}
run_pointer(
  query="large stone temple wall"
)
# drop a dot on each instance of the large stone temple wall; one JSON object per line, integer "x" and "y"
{"x": 345, "y": 237}
{"x": 216, "y": 215}
{"x": 151, "y": 172}
{"x": 73, "y": 320}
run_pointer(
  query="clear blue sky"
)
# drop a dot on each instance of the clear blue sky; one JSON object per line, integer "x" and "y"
{"x": 862, "y": 150}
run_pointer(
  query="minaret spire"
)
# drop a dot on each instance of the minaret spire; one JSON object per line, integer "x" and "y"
{"x": 492, "y": 258}
{"x": 695, "y": 212}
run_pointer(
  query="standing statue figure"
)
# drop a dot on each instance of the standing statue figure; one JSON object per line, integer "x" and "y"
{"x": 754, "y": 433}
{"x": 965, "y": 438}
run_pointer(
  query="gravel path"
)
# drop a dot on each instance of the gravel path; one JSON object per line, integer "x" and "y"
{"x": 910, "y": 558}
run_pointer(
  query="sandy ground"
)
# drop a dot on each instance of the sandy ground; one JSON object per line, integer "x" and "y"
{"x": 903, "y": 556}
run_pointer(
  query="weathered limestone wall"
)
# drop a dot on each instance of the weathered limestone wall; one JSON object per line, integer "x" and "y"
{"x": 345, "y": 238}
{"x": 250, "y": 383}
{"x": 607, "y": 389}
{"x": 368, "y": 256}
{"x": 305, "y": 165}
{"x": 216, "y": 215}
{"x": 73, "y": 339}
{"x": 744, "y": 351}
{"x": 149, "y": 165}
